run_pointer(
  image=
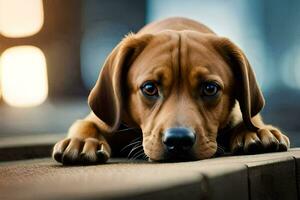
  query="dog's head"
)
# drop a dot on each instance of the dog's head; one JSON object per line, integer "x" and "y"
{"x": 179, "y": 88}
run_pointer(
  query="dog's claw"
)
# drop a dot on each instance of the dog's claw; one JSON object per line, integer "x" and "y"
{"x": 282, "y": 147}
{"x": 58, "y": 156}
{"x": 254, "y": 147}
{"x": 85, "y": 159}
{"x": 273, "y": 146}
{"x": 74, "y": 151}
{"x": 68, "y": 160}
{"x": 267, "y": 139}
{"x": 102, "y": 156}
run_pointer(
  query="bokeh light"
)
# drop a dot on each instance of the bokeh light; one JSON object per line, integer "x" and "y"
{"x": 21, "y": 18}
{"x": 23, "y": 76}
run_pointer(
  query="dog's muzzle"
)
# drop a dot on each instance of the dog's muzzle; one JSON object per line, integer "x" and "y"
{"x": 178, "y": 141}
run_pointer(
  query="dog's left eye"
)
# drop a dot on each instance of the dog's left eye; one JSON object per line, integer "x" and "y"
{"x": 149, "y": 88}
{"x": 210, "y": 89}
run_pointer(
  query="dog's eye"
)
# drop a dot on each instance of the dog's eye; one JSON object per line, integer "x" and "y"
{"x": 149, "y": 88}
{"x": 210, "y": 89}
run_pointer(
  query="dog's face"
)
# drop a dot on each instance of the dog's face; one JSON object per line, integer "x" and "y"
{"x": 179, "y": 88}
{"x": 182, "y": 88}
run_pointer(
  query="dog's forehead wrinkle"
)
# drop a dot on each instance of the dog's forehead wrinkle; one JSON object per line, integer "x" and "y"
{"x": 201, "y": 69}
{"x": 197, "y": 73}
{"x": 162, "y": 75}
{"x": 157, "y": 59}
{"x": 215, "y": 69}
{"x": 200, "y": 51}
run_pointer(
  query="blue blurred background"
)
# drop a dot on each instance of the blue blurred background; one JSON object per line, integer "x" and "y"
{"x": 268, "y": 31}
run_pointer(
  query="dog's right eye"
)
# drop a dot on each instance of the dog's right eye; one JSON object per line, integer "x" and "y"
{"x": 210, "y": 89}
{"x": 149, "y": 89}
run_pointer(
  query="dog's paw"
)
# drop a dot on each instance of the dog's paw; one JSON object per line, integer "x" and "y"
{"x": 75, "y": 151}
{"x": 267, "y": 139}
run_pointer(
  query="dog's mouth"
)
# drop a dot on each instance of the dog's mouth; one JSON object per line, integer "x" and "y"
{"x": 175, "y": 156}
{"x": 177, "y": 144}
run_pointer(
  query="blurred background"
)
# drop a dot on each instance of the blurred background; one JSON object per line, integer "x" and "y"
{"x": 51, "y": 52}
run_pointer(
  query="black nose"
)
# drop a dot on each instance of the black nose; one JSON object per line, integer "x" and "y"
{"x": 178, "y": 139}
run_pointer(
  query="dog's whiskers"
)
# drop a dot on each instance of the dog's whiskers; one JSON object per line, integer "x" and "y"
{"x": 145, "y": 156}
{"x": 127, "y": 129}
{"x": 134, "y": 149}
{"x": 138, "y": 138}
{"x": 137, "y": 154}
{"x": 220, "y": 150}
{"x": 130, "y": 144}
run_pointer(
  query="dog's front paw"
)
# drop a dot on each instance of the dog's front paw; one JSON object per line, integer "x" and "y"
{"x": 267, "y": 139}
{"x": 75, "y": 151}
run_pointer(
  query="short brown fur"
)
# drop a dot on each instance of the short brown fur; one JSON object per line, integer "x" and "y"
{"x": 180, "y": 54}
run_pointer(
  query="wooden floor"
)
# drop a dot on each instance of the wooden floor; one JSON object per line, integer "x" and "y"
{"x": 265, "y": 176}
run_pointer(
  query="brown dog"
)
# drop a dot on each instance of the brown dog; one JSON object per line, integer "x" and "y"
{"x": 182, "y": 86}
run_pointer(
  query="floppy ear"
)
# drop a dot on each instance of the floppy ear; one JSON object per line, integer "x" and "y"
{"x": 106, "y": 97}
{"x": 248, "y": 92}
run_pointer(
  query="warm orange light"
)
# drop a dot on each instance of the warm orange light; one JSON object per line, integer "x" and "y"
{"x": 23, "y": 76}
{"x": 21, "y": 18}
{"x": 0, "y": 79}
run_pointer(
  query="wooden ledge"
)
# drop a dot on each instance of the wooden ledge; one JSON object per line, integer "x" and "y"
{"x": 264, "y": 176}
{"x": 26, "y": 147}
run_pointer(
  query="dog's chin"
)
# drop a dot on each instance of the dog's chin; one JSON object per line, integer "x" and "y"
{"x": 191, "y": 155}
